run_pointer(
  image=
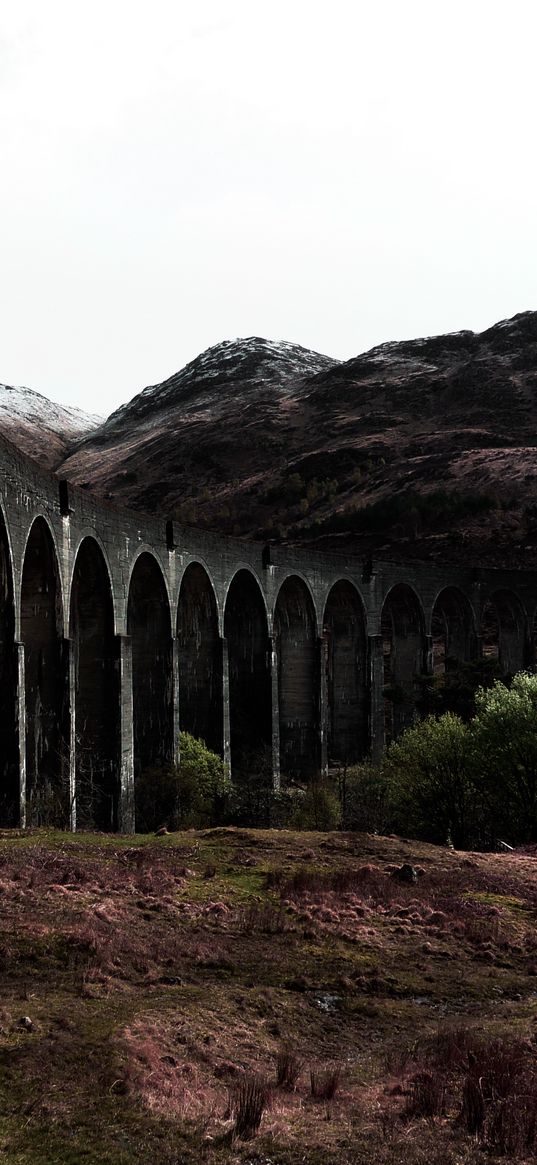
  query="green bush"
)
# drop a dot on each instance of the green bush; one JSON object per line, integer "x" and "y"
{"x": 317, "y": 807}
{"x": 364, "y": 798}
{"x": 193, "y": 795}
{"x": 504, "y": 743}
{"x": 476, "y": 781}
{"x": 429, "y": 771}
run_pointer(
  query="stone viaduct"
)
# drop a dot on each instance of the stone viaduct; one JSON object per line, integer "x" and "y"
{"x": 118, "y": 630}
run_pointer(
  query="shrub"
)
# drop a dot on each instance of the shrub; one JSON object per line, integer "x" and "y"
{"x": 263, "y": 918}
{"x": 193, "y": 794}
{"x": 427, "y": 1095}
{"x": 288, "y": 1069}
{"x": 252, "y": 796}
{"x": 248, "y": 1103}
{"x": 324, "y": 1083}
{"x": 318, "y": 808}
{"x": 204, "y": 784}
{"x": 431, "y": 783}
{"x": 504, "y": 741}
{"x": 363, "y": 791}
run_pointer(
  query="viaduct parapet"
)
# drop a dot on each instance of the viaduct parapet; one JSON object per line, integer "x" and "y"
{"x": 117, "y": 631}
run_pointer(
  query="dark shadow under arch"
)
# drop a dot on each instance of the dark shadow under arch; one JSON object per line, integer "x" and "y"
{"x": 246, "y": 632}
{"x": 46, "y": 683}
{"x": 298, "y": 680}
{"x": 453, "y": 631}
{"x": 200, "y": 659}
{"x": 10, "y": 808}
{"x": 96, "y": 710}
{"x": 346, "y": 663}
{"x": 403, "y": 633}
{"x": 504, "y": 632}
{"x": 149, "y": 628}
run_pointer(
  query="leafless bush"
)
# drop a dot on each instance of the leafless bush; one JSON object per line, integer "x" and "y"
{"x": 263, "y": 918}
{"x": 427, "y": 1095}
{"x": 512, "y": 1125}
{"x": 473, "y": 1106}
{"x": 325, "y": 1082}
{"x": 398, "y": 1061}
{"x": 448, "y": 1050}
{"x": 499, "y": 1088}
{"x": 288, "y": 1069}
{"x": 248, "y": 1102}
{"x": 369, "y": 880}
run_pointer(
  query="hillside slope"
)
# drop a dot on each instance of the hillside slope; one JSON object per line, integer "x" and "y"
{"x": 145, "y": 981}
{"x": 426, "y": 446}
{"x": 41, "y": 428}
{"x": 423, "y": 447}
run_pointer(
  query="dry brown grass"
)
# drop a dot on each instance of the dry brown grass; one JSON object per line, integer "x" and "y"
{"x": 156, "y": 992}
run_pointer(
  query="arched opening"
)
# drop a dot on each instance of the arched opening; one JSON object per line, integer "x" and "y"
{"x": 46, "y": 687}
{"x": 96, "y": 691}
{"x": 503, "y": 632}
{"x": 9, "y": 746}
{"x": 246, "y": 632}
{"x": 453, "y": 631}
{"x": 402, "y": 629}
{"x": 200, "y": 659}
{"x": 490, "y": 632}
{"x": 346, "y": 662}
{"x": 298, "y": 680}
{"x": 149, "y": 627}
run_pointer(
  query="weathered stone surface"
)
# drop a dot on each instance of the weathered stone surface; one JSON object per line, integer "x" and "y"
{"x": 117, "y": 629}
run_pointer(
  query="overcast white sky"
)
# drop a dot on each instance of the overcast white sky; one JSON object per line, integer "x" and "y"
{"x": 175, "y": 173}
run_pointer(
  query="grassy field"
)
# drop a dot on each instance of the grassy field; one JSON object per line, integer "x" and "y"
{"x": 155, "y": 989}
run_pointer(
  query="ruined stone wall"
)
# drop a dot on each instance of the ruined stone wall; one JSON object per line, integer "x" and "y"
{"x": 116, "y": 631}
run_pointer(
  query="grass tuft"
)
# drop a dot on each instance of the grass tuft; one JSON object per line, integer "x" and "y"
{"x": 325, "y": 1082}
{"x": 288, "y": 1069}
{"x": 248, "y": 1101}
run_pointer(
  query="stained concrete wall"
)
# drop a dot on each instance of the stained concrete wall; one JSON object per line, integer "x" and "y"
{"x": 99, "y": 656}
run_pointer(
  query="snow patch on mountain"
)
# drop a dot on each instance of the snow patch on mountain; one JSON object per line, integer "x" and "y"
{"x": 252, "y": 362}
{"x": 24, "y": 404}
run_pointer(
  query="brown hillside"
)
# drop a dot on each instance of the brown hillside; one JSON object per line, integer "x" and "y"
{"x": 426, "y": 446}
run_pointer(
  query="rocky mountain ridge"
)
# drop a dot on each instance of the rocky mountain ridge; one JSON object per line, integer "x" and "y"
{"x": 43, "y": 429}
{"x": 424, "y": 447}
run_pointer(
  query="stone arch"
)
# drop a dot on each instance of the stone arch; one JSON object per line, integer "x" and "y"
{"x": 344, "y": 631}
{"x": 10, "y": 792}
{"x": 246, "y": 634}
{"x": 88, "y": 533}
{"x": 200, "y": 658}
{"x": 403, "y": 635}
{"x": 453, "y": 631}
{"x": 149, "y": 628}
{"x": 45, "y": 681}
{"x": 297, "y": 653}
{"x": 141, "y": 552}
{"x": 504, "y": 633}
{"x": 95, "y": 724}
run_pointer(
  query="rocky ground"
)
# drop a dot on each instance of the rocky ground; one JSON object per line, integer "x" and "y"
{"x": 150, "y": 986}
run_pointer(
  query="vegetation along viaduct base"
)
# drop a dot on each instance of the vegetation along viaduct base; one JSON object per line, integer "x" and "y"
{"x": 117, "y": 631}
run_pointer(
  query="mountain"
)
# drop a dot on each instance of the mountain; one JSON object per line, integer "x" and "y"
{"x": 217, "y": 428}
{"x": 42, "y": 429}
{"x": 425, "y": 447}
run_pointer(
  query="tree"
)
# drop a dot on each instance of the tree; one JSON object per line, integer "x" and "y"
{"x": 429, "y": 775}
{"x": 504, "y": 745}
